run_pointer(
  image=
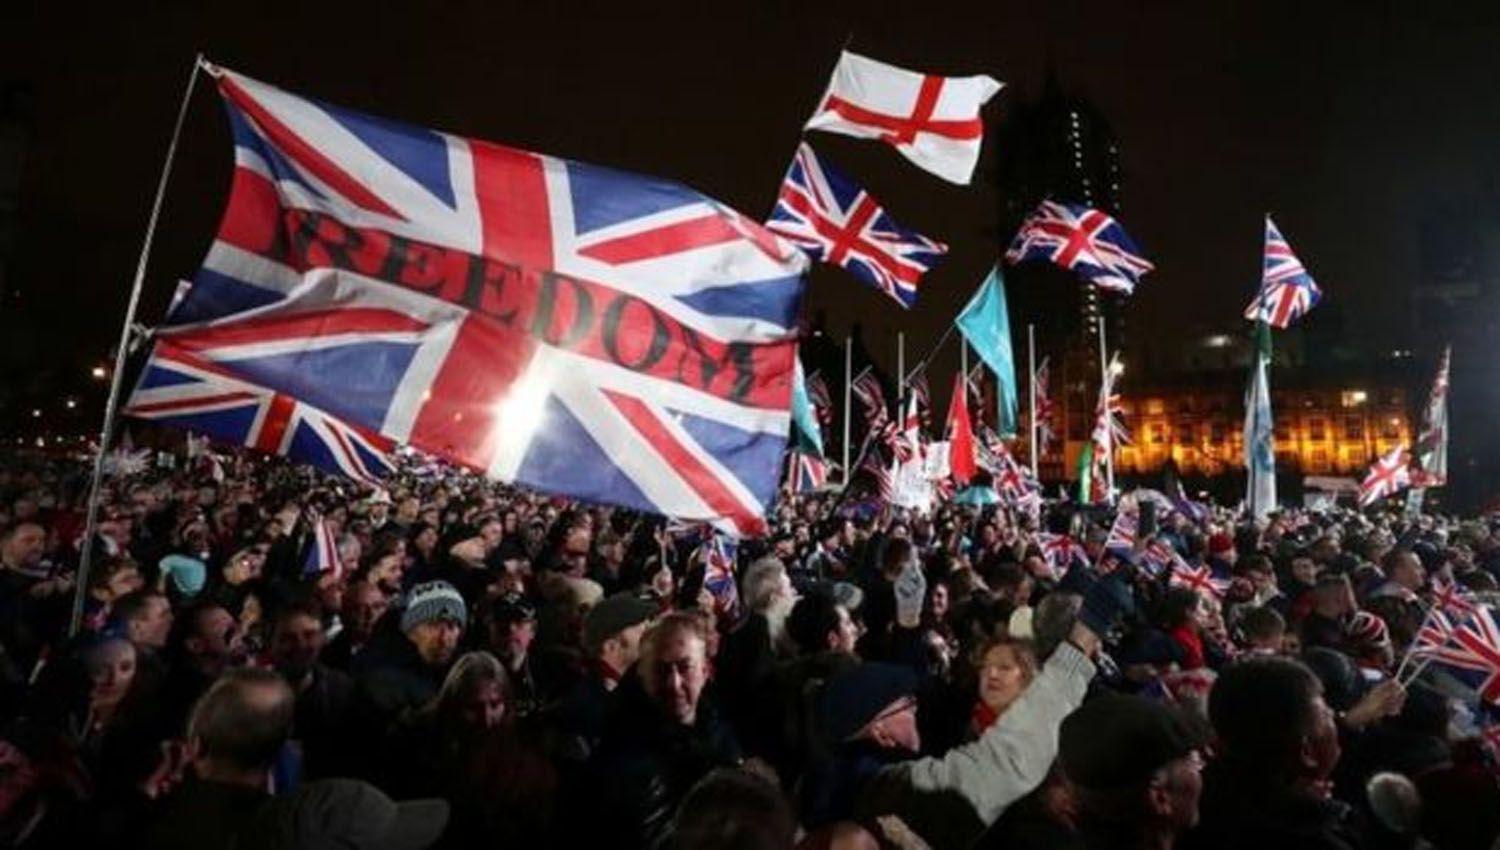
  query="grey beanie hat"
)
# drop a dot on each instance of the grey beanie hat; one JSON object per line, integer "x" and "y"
{"x": 433, "y": 600}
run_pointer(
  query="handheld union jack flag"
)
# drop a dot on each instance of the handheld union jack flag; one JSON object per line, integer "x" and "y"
{"x": 1060, "y": 552}
{"x": 566, "y": 327}
{"x": 1082, "y": 240}
{"x": 1286, "y": 291}
{"x": 718, "y": 555}
{"x": 1472, "y": 654}
{"x": 322, "y": 555}
{"x": 1452, "y": 598}
{"x": 1045, "y": 432}
{"x": 1200, "y": 579}
{"x": 822, "y": 402}
{"x": 805, "y": 472}
{"x": 1434, "y": 634}
{"x": 825, "y": 214}
{"x": 1387, "y": 477}
{"x": 181, "y": 389}
{"x": 867, "y": 389}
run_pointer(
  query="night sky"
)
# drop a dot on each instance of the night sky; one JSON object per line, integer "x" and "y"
{"x": 1351, "y": 121}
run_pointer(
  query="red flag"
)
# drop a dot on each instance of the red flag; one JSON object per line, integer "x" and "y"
{"x": 960, "y": 434}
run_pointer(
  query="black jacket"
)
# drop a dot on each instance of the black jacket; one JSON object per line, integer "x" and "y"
{"x": 1241, "y": 811}
{"x": 647, "y": 763}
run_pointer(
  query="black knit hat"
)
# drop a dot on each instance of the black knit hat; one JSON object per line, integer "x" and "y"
{"x": 1116, "y": 740}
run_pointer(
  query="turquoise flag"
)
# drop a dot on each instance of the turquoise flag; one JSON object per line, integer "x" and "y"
{"x": 985, "y": 323}
{"x": 807, "y": 436}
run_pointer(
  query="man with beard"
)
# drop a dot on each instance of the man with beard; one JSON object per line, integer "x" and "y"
{"x": 323, "y": 695}
{"x": 747, "y": 659}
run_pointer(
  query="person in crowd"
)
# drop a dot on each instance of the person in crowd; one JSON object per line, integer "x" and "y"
{"x": 1006, "y": 668}
{"x": 324, "y": 696}
{"x": 364, "y": 606}
{"x": 511, "y": 627}
{"x": 206, "y": 641}
{"x": 347, "y": 813}
{"x": 662, "y": 737}
{"x": 1271, "y": 780}
{"x": 235, "y": 735}
{"x": 748, "y": 656}
{"x": 402, "y": 669}
{"x": 1135, "y": 767}
{"x": 949, "y": 800}
{"x": 612, "y": 633}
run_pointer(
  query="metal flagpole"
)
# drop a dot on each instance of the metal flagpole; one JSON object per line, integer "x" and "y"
{"x": 1031, "y": 381}
{"x": 1109, "y": 456}
{"x": 91, "y": 526}
{"x": 900, "y": 376}
{"x": 848, "y": 381}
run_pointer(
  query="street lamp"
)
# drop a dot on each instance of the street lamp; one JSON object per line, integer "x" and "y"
{"x": 99, "y": 373}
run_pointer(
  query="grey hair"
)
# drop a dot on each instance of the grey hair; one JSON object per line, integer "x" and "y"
{"x": 762, "y": 580}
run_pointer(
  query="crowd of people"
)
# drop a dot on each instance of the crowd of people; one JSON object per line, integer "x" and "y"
{"x": 486, "y": 667}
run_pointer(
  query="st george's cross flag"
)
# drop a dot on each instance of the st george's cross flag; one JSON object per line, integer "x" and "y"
{"x": 1085, "y": 241}
{"x": 836, "y": 222}
{"x": 931, "y": 120}
{"x": 181, "y": 389}
{"x": 1287, "y": 291}
{"x": 1387, "y": 477}
{"x": 570, "y": 328}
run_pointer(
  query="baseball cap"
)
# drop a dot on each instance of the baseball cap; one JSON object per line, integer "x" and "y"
{"x": 334, "y": 814}
{"x": 614, "y": 614}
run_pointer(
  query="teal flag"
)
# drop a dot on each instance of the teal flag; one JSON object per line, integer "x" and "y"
{"x": 985, "y": 323}
{"x": 1260, "y": 445}
{"x": 807, "y": 436}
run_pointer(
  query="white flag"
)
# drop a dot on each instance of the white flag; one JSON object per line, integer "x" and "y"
{"x": 933, "y": 121}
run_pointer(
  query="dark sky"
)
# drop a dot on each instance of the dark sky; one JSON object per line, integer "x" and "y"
{"x": 1350, "y": 121}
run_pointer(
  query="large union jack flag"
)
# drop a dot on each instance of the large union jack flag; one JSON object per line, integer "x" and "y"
{"x": 570, "y": 328}
{"x": 1286, "y": 289}
{"x": 1083, "y": 240}
{"x": 181, "y": 389}
{"x": 825, "y": 214}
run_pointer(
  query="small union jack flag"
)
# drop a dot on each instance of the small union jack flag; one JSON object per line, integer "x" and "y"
{"x": 1082, "y": 240}
{"x": 1389, "y": 476}
{"x": 805, "y": 473}
{"x": 834, "y": 221}
{"x": 866, "y": 388}
{"x": 322, "y": 555}
{"x": 1286, "y": 291}
{"x": 179, "y": 388}
{"x": 1435, "y": 633}
{"x": 718, "y": 554}
{"x": 1060, "y": 551}
{"x": 1453, "y": 599}
{"x": 822, "y": 401}
{"x": 1472, "y": 654}
{"x": 1044, "y": 407}
{"x": 1200, "y": 579}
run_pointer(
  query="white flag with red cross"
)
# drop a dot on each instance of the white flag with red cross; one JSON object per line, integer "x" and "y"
{"x": 933, "y": 121}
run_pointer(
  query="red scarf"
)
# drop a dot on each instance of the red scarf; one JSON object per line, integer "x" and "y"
{"x": 982, "y": 717}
